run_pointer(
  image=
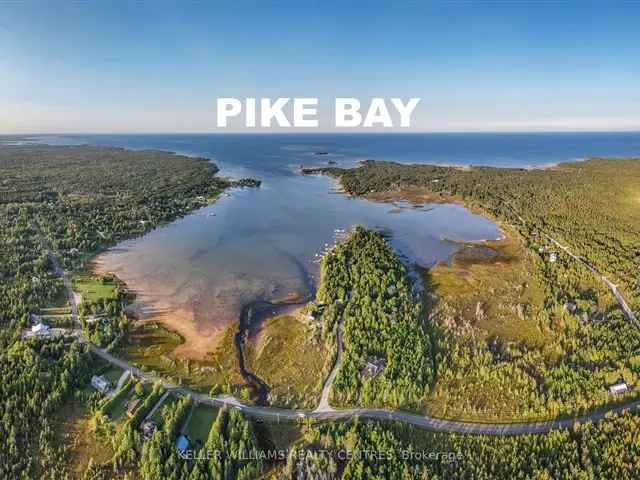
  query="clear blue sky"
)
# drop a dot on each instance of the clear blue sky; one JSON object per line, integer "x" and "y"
{"x": 159, "y": 66}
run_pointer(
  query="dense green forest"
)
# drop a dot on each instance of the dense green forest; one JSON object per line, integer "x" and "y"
{"x": 591, "y": 206}
{"x": 365, "y": 284}
{"x": 372, "y": 450}
{"x": 586, "y": 205}
{"x": 230, "y": 450}
{"x": 74, "y": 201}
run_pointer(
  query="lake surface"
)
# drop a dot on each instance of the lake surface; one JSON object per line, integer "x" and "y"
{"x": 196, "y": 273}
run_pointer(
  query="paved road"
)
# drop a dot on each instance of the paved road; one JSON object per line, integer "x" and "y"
{"x": 325, "y": 412}
{"x": 423, "y": 421}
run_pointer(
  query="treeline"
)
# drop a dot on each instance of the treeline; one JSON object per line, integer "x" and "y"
{"x": 372, "y": 450}
{"x": 364, "y": 282}
{"x": 104, "y": 321}
{"x": 90, "y": 198}
{"x": 230, "y": 452}
{"x": 585, "y": 205}
{"x": 590, "y": 206}
{"x": 37, "y": 376}
{"x": 104, "y": 195}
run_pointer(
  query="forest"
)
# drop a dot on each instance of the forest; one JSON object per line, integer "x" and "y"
{"x": 364, "y": 282}
{"x": 374, "y": 450}
{"x": 74, "y": 201}
{"x": 588, "y": 206}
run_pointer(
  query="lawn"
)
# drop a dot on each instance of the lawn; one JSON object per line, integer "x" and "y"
{"x": 200, "y": 423}
{"x": 57, "y": 313}
{"x": 57, "y": 316}
{"x": 119, "y": 408}
{"x": 290, "y": 360}
{"x": 112, "y": 374}
{"x": 93, "y": 288}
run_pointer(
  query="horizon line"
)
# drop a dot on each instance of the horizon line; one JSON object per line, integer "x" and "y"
{"x": 324, "y": 132}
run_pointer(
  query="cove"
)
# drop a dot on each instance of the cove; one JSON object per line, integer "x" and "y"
{"x": 196, "y": 274}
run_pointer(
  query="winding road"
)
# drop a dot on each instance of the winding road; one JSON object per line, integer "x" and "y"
{"x": 423, "y": 421}
{"x": 325, "y": 412}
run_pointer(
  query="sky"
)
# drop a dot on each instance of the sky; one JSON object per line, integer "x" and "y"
{"x": 156, "y": 66}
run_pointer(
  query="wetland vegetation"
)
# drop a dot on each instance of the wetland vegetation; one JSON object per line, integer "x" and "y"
{"x": 496, "y": 318}
{"x": 540, "y": 328}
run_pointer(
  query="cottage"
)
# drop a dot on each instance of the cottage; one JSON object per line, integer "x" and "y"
{"x": 618, "y": 388}
{"x": 100, "y": 383}
{"x": 40, "y": 329}
{"x": 373, "y": 367}
{"x": 553, "y": 256}
{"x": 132, "y": 406}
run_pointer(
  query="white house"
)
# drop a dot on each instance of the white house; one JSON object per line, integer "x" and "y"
{"x": 100, "y": 383}
{"x": 618, "y": 388}
{"x": 40, "y": 329}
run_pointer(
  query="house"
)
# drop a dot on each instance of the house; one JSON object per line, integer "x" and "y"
{"x": 373, "y": 367}
{"x": 619, "y": 387}
{"x": 148, "y": 427}
{"x": 553, "y": 256}
{"x": 132, "y": 406}
{"x": 100, "y": 383}
{"x": 40, "y": 329}
{"x": 182, "y": 443}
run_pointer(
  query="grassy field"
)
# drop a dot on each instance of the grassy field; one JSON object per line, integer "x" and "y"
{"x": 93, "y": 288}
{"x": 57, "y": 316}
{"x": 493, "y": 286}
{"x": 287, "y": 357}
{"x": 118, "y": 409}
{"x": 200, "y": 423}
{"x": 57, "y": 313}
{"x": 112, "y": 374}
{"x": 73, "y": 427}
{"x": 150, "y": 346}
